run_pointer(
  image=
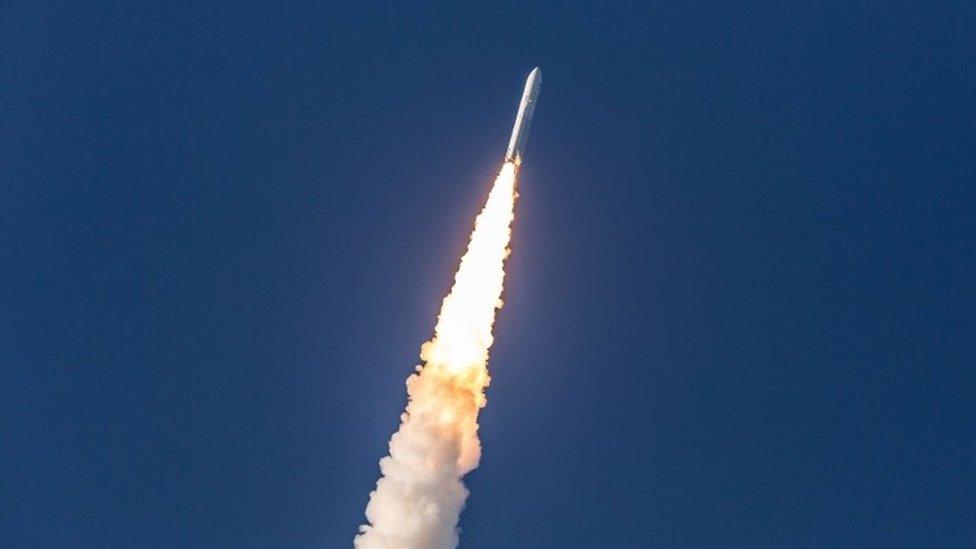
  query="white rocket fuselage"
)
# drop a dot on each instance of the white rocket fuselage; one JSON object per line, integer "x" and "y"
{"x": 520, "y": 133}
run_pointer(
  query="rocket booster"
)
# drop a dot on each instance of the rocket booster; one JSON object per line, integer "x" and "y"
{"x": 520, "y": 133}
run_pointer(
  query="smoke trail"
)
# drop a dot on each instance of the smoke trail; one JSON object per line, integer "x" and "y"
{"x": 418, "y": 499}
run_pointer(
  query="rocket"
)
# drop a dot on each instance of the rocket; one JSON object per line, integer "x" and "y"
{"x": 520, "y": 133}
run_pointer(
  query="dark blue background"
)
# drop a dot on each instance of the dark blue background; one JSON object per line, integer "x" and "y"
{"x": 739, "y": 310}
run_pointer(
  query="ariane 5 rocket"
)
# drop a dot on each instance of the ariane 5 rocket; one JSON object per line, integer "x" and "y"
{"x": 520, "y": 133}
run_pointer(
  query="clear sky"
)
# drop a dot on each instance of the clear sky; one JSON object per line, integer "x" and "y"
{"x": 739, "y": 309}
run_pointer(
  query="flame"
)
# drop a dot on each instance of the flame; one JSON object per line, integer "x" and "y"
{"x": 419, "y": 498}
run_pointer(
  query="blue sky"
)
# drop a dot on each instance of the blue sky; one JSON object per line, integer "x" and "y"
{"x": 738, "y": 311}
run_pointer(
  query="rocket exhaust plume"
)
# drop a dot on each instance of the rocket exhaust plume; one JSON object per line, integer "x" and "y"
{"x": 419, "y": 498}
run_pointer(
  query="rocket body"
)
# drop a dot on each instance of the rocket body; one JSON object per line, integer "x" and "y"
{"x": 520, "y": 133}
